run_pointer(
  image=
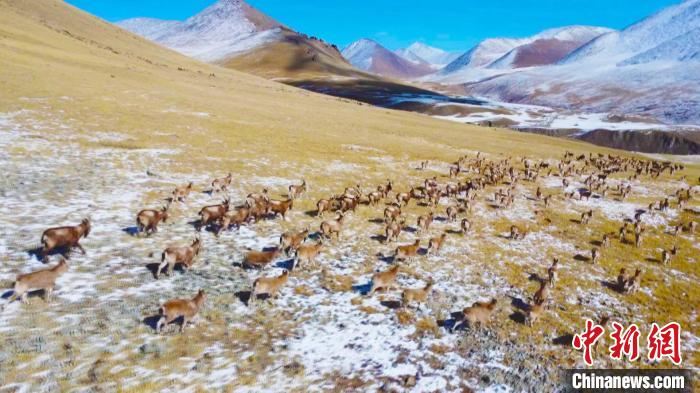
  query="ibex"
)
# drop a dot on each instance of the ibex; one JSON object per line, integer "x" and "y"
{"x": 235, "y": 218}
{"x": 586, "y": 217}
{"x": 391, "y": 213}
{"x": 465, "y": 226}
{"x": 418, "y": 295}
{"x": 552, "y": 271}
{"x": 385, "y": 190}
{"x": 148, "y": 219}
{"x": 515, "y": 233}
{"x": 290, "y": 241}
{"x": 306, "y": 254}
{"x": 181, "y": 193}
{"x": 435, "y": 244}
{"x": 212, "y": 213}
{"x": 479, "y": 312}
{"x": 297, "y": 191}
{"x": 374, "y": 197}
{"x": 384, "y": 280}
{"x": 256, "y": 198}
{"x": 259, "y": 259}
{"x": 43, "y": 279}
{"x": 185, "y": 308}
{"x": 542, "y": 294}
{"x": 222, "y": 183}
{"x": 269, "y": 285}
{"x": 322, "y": 206}
{"x": 451, "y": 213}
{"x": 281, "y": 207}
{"x": 632, "y": 285}
{"x": 622, "y": 280}
{"x": 183, "y": 255}
{"x": 424, "y": 222}
{"x": 393, "y": 230}
{"x": 533, "y": 313}
{"x": 403, "y": 198}
{"x": 407, "y": 251}
{"x": 64, "y": 237}
{"x": 330, "y": 227}
{"x": 665, "y": 257}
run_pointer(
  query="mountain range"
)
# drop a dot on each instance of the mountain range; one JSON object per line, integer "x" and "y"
{"x": 650, "y": 68}
{"x": 234, "y": 34}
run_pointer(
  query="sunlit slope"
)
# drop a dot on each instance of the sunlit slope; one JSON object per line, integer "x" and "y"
{"x": 297, "y": 57}
{"x": 55, "y": 58}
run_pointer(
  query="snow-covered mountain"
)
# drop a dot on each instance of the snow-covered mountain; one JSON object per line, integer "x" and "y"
{"x": 650, "y": 68}
{"x": 233, "y": 34}
{"x": 662, "y": 27}
{"x": 371, "y": 56}
{"x": 546, "y": 47}
{"x": 221, "y": 30}
{"x": 484, "y": 53}
{"x": 683, "y": 48}
{"x": 422, "y": 53}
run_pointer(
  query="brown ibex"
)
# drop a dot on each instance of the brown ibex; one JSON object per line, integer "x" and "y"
{"x": 290, "y": 241}
{"x": 148, "y": 219}
{"x": 479, "y": 312}
{"x": 435, "y": 244}
{"x": 281, "y": 207}
{"x": 259, "y": 259}
{"x": 384, "y": 280}
{"x": 542, "y": 294}
{"x": 465, "y": 226}
{"x": 424, "y": 222}
{"x": 418, "y": 295}
{"x": 407, "y": 251}
{"x": 181, "y": 193}
{"x": 297, "y": 191}
{"x": 222, "y": 183}
{"x": 183, "y": 255}
{"x": 64, "y": 237}
{"x": 393, "y": 229}
{"x": 212, "y": 213}
{"x": 330, "y": 227}
{"x": 176, "y": 308}
{"x": 305, "y": 255}
{"x": 269, "y": 285}
{"x": 235, "y": 218}
{"x": 43, "y": 279}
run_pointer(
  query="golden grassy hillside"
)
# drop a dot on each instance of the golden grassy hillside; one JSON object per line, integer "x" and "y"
{"x": 296, "y": 57}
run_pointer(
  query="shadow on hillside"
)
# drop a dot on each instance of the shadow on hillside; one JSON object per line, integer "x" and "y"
{"x": 363, "y": 289}
{"x": 564, "y": 339}
{"x": 391, "y": 304}
{"x": 612, "y": 285}
{"x": 581, "y": 258}
{"x": 152, "y": 321}
{"x": 132, "y": 231}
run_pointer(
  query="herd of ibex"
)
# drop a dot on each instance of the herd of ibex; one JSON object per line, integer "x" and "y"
{"x": 474, "y": 175}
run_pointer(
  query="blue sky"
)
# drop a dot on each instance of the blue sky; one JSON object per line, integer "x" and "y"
{"x": 449, "y": 24}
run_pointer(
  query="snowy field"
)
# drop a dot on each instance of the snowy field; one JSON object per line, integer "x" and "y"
{"x": 323, "y": 332}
